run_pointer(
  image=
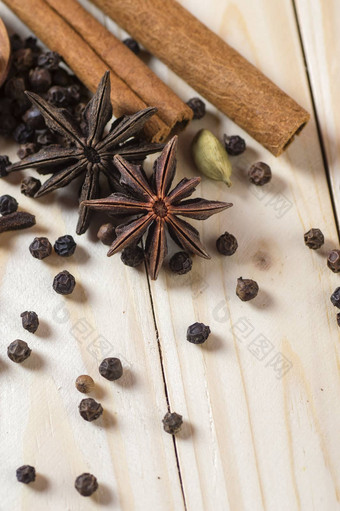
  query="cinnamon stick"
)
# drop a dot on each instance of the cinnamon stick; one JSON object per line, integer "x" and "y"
{"x": 124, "y": 63}
{"x": 53, "y": 30}
{"x": 212, "y": 67}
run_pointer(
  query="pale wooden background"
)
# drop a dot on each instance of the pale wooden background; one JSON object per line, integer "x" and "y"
{"x": 254, "y": 438}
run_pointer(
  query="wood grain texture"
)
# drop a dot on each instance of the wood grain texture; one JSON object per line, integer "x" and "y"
{"x": 260, "y": 399}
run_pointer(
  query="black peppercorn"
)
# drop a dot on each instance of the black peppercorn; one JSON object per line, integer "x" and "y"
{"x": 172, "y": 422}
{"x": 338, "y": 318}
{"x": 16, "y": 42}
{"x": 46, "y": 137}
{"x": 30, "y": 321}
{"x": 259, "y": 174}
{"x": 23, "y": 134}
{"x": 61, "y": 77}
{"x": 89, "y": 409}
{"x": 15, "y": 87}
{"x": 40, "y": 79}
{"x": 27, "y": 149}
{"x": 314, "y": 239}
{"x": 234, "y": 145}
{"x": 180, "y": 263}
{"x": 335, "y": 298}
{"x": 40, "y": 248}
{"x": 4, "y": 163}
{"x": 64, "y": 283}
{"x": 73, "y": 93}
{"x": 23, "y": 59}
{"x": 25, "y": 474}
{"x": 111, "y": 368}
{"x": 58, "y": 96}
{"x": 132, "y": 256}
{"x": 31, "y": 42}
{"x": 8, "y": 204}
{"x": 106, "y": 233}
{"x": 227, "y": 244}
{"x": 333, "y": 261}
{"x": 198, "y": 333}
{"x": 29, "y": 186}
{"x": 84, "y": 384}
{"x": 197, "y": 106}
{"x": 65, "y": 246}
{"x": 86, "y": 484}
{"x": 246, "y": 289}
{"x": 34, "y": 118}
{"x": 132, "y": 45}
{"x": 7, "y": 125}
{"x": 49, "y": 60}
{"x": 18, "y": 351}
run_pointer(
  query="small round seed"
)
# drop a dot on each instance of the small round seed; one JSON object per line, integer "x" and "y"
{"x": 111, "y": 368}
{"x": 86, "y": 484}
{"x": 84, "y": 384}
{"x": 25, "y": 474}
{"x": 172, "y": 422}
{"x": 246, "y": 289}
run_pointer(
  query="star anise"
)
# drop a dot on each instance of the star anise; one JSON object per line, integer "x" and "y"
{"x": 157, "y": 208}
{"x": 90, "y": 151}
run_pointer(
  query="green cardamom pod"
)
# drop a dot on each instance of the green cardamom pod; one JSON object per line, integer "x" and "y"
{"x": 210, "y": 157}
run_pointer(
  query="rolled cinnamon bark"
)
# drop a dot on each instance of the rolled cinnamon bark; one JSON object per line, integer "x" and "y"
{"x": 212, "y": 67}
{"x": 85, "y": 63}
{"x": 125, "y": 64}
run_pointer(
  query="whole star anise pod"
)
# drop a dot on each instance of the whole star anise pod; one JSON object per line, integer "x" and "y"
{"x": 91, "y": 150}
{"x": 157, "y": 208}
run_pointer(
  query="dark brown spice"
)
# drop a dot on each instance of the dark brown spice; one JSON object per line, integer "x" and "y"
{"x": 64, "y": 283}
{"x": 29, "y": 186}
{"x": 40, "y": 248}
{"x": 314, "y": 239}
{"x": 86, "y": 484}
{"x": 234, "y": 145}
{"x": 180, "y": 263}
{"x": 198, "y": 333}
{"x": 18, "y": 351}
{"x": 246, "y": 289}
{"x": 158, "y": 209}
{"x": 335, "y": 298}
{"x": 132, "y": 256}
{"x": 89, "y": 154}
{"x": 106, "y": 233}
{"x": 197, "y": 106}
{"x": 172, "y": 422}
{"x": 25, "y": 474}
{"x": 65, "y": 246}
{"x": 333, "y": 261}
{"x": 89, "y": 409}
{"x": 132, "y": 45}
{"x": 34, "y": 118}
{"x": 30, "y": 321}
{"x": 8, "y": 204}
{"x": 111, "y": 368}
{"x": 4, "y": 162}
{"x": 40, "y": 79}
{"x": 23, "y": 134}
{"x": 15, "y": 221}
{"x": 49, "y": 60}
{"x": 259, "y": 174}
{"x": 84, "y": 384}
{"x": 338, "y": 318}
{"x": 227, "y": 244}
{"x": 26, "y": 150}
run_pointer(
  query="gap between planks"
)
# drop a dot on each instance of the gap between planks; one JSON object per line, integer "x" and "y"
{"x": 317, "y": 121}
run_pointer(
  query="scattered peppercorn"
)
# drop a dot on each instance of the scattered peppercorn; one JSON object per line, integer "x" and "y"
{"x": 40, "y": 248}
{"x": 58, "y": 96}
{"x": 333, "y": 261}
{"x": 49, "y": 60}
{"x": 18, "y": 351}
{"x": 46, "y": 137}
{"x": 27, "y": 149}
{"x": 4, "y": 163}
{"x": 25, "y": 474}
{"x": 132, "y": 45}
{"x": 335, "y": 298}
{"x": 34, "y": 118}
{"x": 40, "y": 79}
{"x": 106, "y": 233}
{"x": 314, "y": 239}
{"x": 234, "y": 145}
{"x": 23, "y": 134}
{"x": 89, "y": 409}
{"x": 227, "y": 244}
{"x": 111, "y": 368}
{"x": 23, "y": 59}
{"x": 64, "y": 283}
{"x": 259, "y": 174}
{"x": 61, "y": 77}
{"x": 65, "y": 246}
{"x": 246, "y": 289}
{"x": 29, "y": 186}
{"x": 172, "y": 422}
{"x": 132, "y": 256}
{"x": 30, "y": 321}
{"x": 73, "y": 93}
{"x": 197, "y": 106}
{"x": 8, "y": 204}
{"x": 198, "y": 333}
{"x": 84, "y": 384}
{"x": 338, "y": 318}
{"x": 180, "y": 263}
{"x": 86, "y": 484}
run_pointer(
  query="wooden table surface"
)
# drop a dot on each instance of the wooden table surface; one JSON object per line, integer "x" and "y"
{"x": 261, "y": 399}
